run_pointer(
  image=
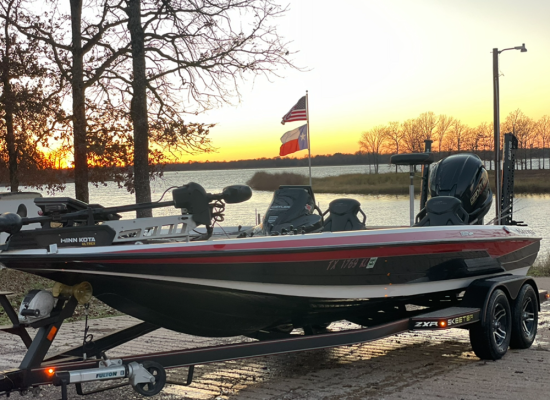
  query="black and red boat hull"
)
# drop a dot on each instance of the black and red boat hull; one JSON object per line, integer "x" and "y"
{"x": 239, "y": 286}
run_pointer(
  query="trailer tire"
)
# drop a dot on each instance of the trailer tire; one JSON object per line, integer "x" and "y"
{"x": 490, "y": 339}
{"x": 151, "y": 389}
{"x": 524, "y": 318}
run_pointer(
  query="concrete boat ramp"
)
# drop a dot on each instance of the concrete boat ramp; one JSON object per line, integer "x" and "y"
{"x": 415, "y": 365}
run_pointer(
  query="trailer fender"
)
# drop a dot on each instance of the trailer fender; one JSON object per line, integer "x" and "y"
{"x": 480, "y": 290}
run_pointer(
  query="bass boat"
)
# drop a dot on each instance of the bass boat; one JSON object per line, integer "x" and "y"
{"x": 300, "y": 268}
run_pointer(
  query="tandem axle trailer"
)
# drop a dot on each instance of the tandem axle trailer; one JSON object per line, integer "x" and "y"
{"x": 499, "y": 312}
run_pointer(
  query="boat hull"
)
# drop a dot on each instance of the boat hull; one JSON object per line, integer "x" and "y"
{"x": 239, "y": 286}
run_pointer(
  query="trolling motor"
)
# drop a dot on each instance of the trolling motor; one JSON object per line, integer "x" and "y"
{"x": 194, "y": 199}
{"x": 69, "y": 222}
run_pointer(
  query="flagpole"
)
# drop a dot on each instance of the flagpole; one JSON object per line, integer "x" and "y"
{"x": 308, "y": 141}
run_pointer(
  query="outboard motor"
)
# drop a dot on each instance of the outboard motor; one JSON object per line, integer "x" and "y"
{"x": 292, "y": 209}
{"x": 462, "y": 177}
{"x": 343, "y": 216}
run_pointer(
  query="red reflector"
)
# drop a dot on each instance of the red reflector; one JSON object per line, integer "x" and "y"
{"x": 52, "y": 333}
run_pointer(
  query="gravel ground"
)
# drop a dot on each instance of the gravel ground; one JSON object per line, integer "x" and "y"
{"x": 428, "y": 365}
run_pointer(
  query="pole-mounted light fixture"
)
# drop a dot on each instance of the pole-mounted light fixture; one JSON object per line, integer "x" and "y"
{"x": 496, "y": 123}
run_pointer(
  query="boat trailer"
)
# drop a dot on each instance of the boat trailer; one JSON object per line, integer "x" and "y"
{"x": 498, "y": 311}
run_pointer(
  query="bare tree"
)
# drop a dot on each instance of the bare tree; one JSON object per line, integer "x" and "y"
{"x": 485, "y": 133}
{"x": 542, "y": 129}
{"x": 81, "y": 55}
{"x": 522, "y": 127}
{"x": 443, "y": 124}
{"x": 427, "y": 123}
{"x": 473, "y": 140}
{"x": 372, "y": 142}
{"x": 394, "y": 135}
{"x": 203, "y": 49}
{"x": 32, "y": 112}
{"x": 139, "y": 106}
{"x": 97, "y": 53}
{"x": 412, "y": 136}
{"x": 457, "y": 136}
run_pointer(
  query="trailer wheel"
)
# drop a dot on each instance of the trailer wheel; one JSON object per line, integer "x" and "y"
{"x": 491, "y": 339}
{"x": 151, "y": 389}
{"x": 524, "y": 318}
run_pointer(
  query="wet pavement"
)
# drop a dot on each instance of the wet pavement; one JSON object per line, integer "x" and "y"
{"x": 413, "y": 365}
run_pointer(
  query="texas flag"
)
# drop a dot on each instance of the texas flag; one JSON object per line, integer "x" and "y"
{"x": 294, "y": 140}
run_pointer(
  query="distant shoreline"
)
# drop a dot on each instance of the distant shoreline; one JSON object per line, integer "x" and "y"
{"x": 526, "y": 182}
{"x": 536, "y": 181}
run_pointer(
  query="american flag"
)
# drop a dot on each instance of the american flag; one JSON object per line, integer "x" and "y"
{"x": 296, "y": 113}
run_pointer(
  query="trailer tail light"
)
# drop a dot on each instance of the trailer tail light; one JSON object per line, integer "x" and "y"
{"x": 442, "y": 324}
{"x": 50, "y": 372}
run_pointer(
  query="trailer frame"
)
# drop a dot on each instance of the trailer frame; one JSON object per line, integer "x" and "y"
{"x": 36, "y": 370}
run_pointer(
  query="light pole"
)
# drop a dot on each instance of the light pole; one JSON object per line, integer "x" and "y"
{"x": 496, "y": 122}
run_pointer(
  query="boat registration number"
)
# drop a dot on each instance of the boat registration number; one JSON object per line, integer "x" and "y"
{"x": 350, "y": 263}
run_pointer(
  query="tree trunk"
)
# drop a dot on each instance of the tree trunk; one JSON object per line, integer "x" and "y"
{"x": 8, "y": 110}
{"x": 79, "y": 110}
{"x": 139, "y": 108}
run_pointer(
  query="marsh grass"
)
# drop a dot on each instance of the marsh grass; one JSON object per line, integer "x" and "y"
{"x": 525, "y": 182}
{"x": 267, "y": 181}
{"x": 393, "y": 184}
{"x": 541, "y": 266}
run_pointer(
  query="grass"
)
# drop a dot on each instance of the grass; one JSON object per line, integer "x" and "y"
{"x": 541, "y": 266}
{"x": 393, "y": 184}
{"x": 20, "y": 283}
{"x": 526, "y": 182}
{"x": 267, "y": 181}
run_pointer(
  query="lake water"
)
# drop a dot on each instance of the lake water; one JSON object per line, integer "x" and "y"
{"x": 381, "y": 210}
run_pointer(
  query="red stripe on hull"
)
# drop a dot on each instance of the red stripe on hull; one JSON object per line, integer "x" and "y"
{"x": 495, "y": 249}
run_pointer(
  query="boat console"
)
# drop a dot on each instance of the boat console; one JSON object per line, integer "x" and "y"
{"x": 292, "y": 210}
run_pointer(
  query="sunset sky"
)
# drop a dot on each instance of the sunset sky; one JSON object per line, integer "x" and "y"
{"x": 372, "y": 62}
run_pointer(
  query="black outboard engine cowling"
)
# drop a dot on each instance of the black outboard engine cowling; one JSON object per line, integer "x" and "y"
{"x": 464, "y": 177}
{"x": 292, "y": 206}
